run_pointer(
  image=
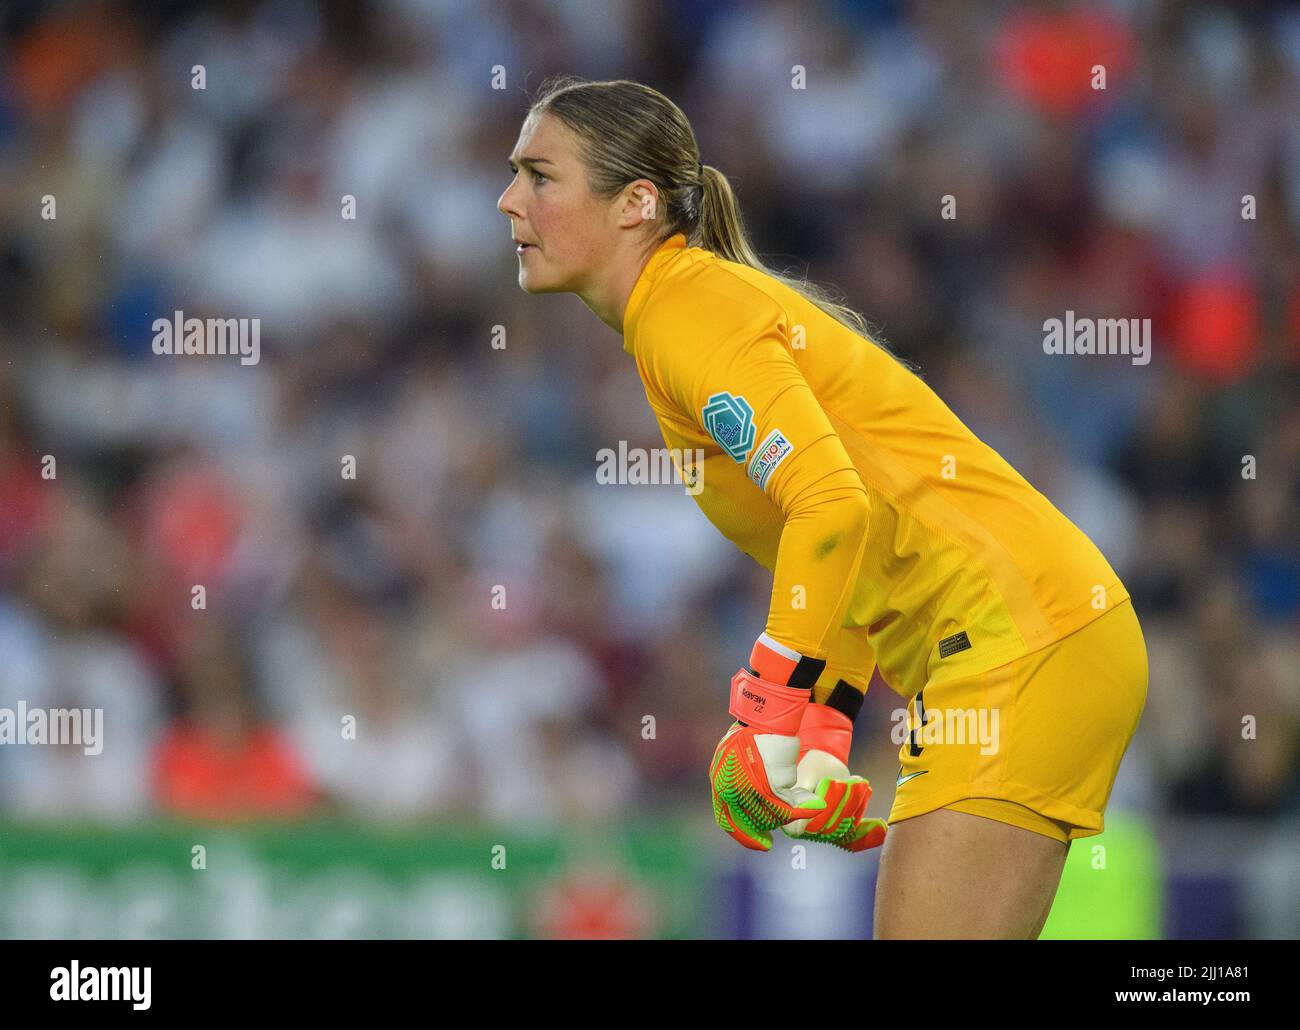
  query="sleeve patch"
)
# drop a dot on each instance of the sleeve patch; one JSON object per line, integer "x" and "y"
{"x": 771, "y": 452}
{"x": 730, "y": 421}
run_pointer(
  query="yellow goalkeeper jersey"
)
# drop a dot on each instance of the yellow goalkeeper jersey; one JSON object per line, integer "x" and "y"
{"x": 895, "y": 536}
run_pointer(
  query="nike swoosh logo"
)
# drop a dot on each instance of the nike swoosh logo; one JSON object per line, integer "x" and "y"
{"x": 910, "y": 776}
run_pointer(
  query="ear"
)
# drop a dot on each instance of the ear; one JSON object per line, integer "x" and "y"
{"x": 639, "y": 204}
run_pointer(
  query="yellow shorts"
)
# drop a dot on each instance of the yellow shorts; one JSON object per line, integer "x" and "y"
{"x": 1036, "y": 742}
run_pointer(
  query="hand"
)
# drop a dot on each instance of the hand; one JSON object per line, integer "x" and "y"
{"x": 762, "y": 776}
{"x": 843, "y": 822}
{"x": 752, "y": 778}
{"x": 825, "y": 735}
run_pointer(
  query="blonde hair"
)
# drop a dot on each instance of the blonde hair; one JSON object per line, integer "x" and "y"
{"x": 627, "y": 131}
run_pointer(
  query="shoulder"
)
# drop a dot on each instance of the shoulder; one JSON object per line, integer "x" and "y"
{"x": 715, "y": 336}
{"x": 708, "y": 300}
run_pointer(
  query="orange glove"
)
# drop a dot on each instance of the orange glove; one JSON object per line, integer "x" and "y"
{"x": 825, "y": 735}
{"x": 753, "y": 775}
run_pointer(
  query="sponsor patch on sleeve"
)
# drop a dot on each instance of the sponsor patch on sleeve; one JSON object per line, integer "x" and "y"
{"x": 771, "y": 452}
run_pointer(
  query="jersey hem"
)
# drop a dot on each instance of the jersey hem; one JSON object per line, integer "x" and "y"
{"x": 1087, "y": 821}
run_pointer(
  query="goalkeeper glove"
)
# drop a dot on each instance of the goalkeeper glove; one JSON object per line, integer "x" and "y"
{"x": 752, "y": 777}
{"x": 825, "y": 735}
{"x": 753, "y": 772}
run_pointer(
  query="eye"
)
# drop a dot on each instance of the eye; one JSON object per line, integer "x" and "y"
{"x": 538, "y": 177}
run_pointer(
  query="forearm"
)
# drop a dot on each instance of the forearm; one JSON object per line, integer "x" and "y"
{"x": 817, "y": 565}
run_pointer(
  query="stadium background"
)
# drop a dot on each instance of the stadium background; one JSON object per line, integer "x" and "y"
{"x": 523, "y": 728}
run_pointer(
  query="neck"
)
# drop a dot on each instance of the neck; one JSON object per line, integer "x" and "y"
{"x": 608, "y": 298}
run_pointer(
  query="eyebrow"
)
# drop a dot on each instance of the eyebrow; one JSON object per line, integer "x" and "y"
{"x": 529, "y": 162}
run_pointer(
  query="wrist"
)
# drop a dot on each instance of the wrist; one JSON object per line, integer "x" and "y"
{"x": 772, "y": 692}
{"x": 766, "y": 706}
{"x": 773, "y": 661}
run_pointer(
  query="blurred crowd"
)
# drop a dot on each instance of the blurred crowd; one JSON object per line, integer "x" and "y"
{"x": 470, "y": 624}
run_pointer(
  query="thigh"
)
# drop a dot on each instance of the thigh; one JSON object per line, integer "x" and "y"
{"x": 950, "y": 874}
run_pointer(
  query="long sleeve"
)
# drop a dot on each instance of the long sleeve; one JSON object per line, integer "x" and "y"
{"x": 727, "y": 370}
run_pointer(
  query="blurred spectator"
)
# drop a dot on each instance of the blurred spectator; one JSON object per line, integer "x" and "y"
{"x": 350, "y": 503}
{"x": 220, "y": 760}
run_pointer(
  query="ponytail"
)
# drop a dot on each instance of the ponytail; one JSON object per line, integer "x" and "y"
{"x": 721, "y": 229}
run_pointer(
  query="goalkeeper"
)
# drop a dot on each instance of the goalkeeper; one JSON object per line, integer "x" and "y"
{"x": 896, "y": 538}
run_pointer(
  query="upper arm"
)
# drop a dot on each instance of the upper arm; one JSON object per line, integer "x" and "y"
{"x": 727, "y": 367}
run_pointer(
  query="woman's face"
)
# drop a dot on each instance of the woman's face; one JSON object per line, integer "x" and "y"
{"x": 570, "y": 233}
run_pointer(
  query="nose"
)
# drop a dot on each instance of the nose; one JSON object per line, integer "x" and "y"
{"x": 506, "y": 203}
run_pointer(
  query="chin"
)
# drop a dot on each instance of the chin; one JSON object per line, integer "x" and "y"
{"x": 531, "y": 284}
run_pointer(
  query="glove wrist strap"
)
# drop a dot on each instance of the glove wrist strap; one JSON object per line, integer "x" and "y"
{"x": 774, "y": 662}
{"x": 766, "y": 706}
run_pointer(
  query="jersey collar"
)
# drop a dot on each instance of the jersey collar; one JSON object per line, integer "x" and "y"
{"x": 649, "y": 274}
